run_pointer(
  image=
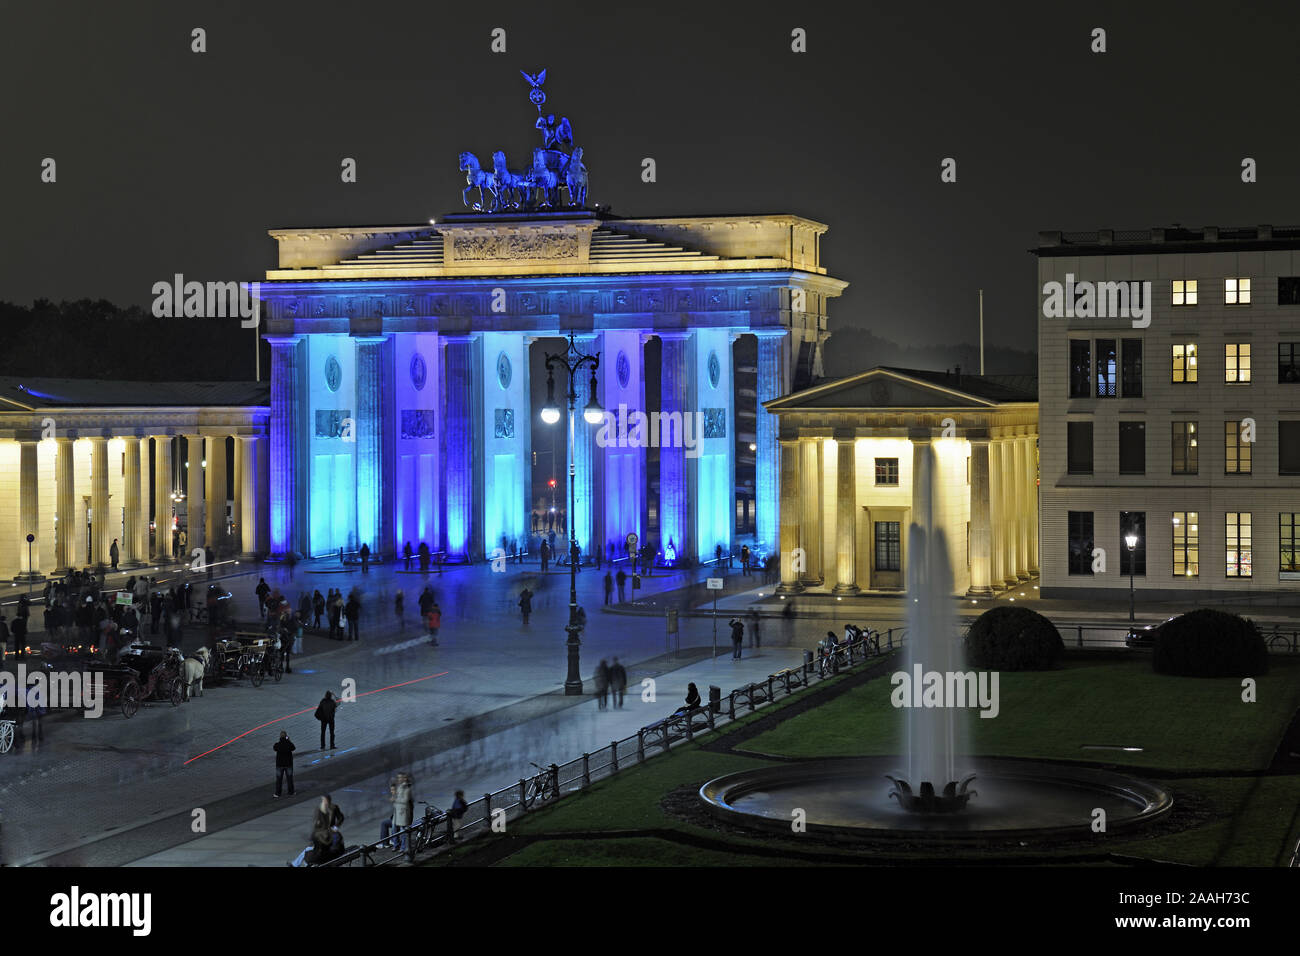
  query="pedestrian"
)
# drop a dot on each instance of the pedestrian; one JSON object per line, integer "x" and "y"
{"x": 434, "y": 621}
{"x": 717, "y": 557}
{"x": 424, "y": 558}
{"x": 617, "y": 682}
{"x": 525, "y": 603}
{"x": 622, "y": 584}
{"x": 365, "y": 559}
{"x": 326, "y": 840}
{"x": 262, "y": 590}
{"x": 754, "y": 639}
{"x": 602, "y": 683}
{"x": 609, "y": 586}
{"x": 399, "y": 608}
{"x": 787, "y": 614}
{"x": 284, "y": 749}
{"x": 291, "y": 559}
{"x": 457, "y": 811}
{"x": 19, "y": 632}
{"x": 354, "y": 616}
{"x": 546, "y": 555}
{"x": 36, "y": 709}
{"x": 4, "y": 637}
{"x": 318, "y": 608}
{"x": 290, "y": 637}
{"x": 692, "y": 696}
{"x": 406, "y": 556}
{"x": 336, "y": 614}
{"x": 403, "y": 810}
{"x": 737, "y": 637}
{"x": 325, "y": 714}
{"x": 744, "y": 561}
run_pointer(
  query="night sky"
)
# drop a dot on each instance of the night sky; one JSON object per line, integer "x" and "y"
{"x": 171, "y": 161}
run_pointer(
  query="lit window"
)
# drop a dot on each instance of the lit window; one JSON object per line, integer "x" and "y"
{"x": 1238, "y": 544}
{"x": 1235, "y": 292}
{"x": 1187, "y": 552}
{"x": 1184, "y": 292}
{"x": 1184, "y": 363}
{"x": 1236, "y": 363}
{"x": 886, "y": 471}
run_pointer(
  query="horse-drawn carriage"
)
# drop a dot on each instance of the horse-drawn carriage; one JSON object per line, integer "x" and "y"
{"x": 142, "y": 673}
{"x": 159, "y": 669}
{"x": 245, "y": 654}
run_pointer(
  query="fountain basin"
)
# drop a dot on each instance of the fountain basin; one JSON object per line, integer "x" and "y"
{"x": 849, "y": 797}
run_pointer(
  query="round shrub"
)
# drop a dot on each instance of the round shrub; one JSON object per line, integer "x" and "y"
{"x": 1013, "y": 639}
{"x": 1210, "y": 643}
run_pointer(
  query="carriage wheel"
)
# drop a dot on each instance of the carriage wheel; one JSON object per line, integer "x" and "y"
{"x": 6, "y": 736}
{"x": 130, "y": 698}
{"x": 256, "y": 673}
{"x": 176, "y": 694}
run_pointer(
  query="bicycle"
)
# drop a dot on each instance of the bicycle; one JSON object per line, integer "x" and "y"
{"x": 427, "y": 834}
{"x": 542, "y": 786}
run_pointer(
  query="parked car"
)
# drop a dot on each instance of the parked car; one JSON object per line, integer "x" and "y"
{"x": 1144, "y": 637}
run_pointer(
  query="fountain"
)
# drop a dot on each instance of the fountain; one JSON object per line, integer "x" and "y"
{"x": 931, "y": 793}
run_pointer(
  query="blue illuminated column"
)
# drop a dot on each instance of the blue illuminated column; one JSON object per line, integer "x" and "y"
{"x": 417, "y": 427}
{"x": 711, "y": 475}
{"x": 462, "y": 434}
{"x": 584, "y": 451}
{"x": 621, "y": 445}
{"x": 374, "y": 408}
{"x": 675, "y": 390}
{"x": 286, "y": 442}
{"x": 773, "y": 382}
{"x": 505, "y": 449}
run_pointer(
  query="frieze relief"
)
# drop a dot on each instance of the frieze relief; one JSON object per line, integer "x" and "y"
{"x": 471, "y": 248}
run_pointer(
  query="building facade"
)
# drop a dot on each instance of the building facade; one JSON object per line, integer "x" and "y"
{"x": 402, "y": 400}
{"x": 851, "y": 452}
{"x": 84, "y": 463}
{"x": 1177, "y": 421}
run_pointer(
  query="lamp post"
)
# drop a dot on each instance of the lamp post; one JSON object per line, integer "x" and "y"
{"x": 572, "y": 362}
{"x": 1131, "y": 540}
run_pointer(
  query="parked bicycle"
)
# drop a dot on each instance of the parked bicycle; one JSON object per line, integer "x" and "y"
{"x": 428, "y": 835}
{"x": 542, "y": 786}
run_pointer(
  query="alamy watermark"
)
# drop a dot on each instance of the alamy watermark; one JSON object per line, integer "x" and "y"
{"x": 950, "y": 689}
{"x": 1098, "y": 300}
{"x": 208, "y": 300}
{"x": 53, "y": 690}
{"x": 656, "y": 430}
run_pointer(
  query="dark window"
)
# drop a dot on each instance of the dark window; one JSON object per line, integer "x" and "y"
{"x": 1289, "y": 542}
{"x": 1288, "y": 448}
{"x": 1132, "y": 377}
{"x": 1236, "y": 452}
{"x": 1132, "y": 448}
{"x": 1107, "y": 368}
{"x": 1079, "y": 454}
{"x": 1288, "y": 362}
{"x": 1080, "y": 368}
{"x": 1133, "y": 522}
{"x": 1080, "y": 524}
{"x": 1288, "y": 291}
{"x": 886, "y": 471}
{"x": 888, "y": 556}
{"x": 1184, "y": 448}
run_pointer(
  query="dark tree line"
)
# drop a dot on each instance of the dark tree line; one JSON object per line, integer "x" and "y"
{"x": 97, "y": 339}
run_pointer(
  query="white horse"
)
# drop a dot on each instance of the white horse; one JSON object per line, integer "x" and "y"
{"x": 575, "y": 179}
{"x": 193, "y": 669}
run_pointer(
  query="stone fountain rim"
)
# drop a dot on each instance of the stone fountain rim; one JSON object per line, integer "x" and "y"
{"x": 717, "y": 793}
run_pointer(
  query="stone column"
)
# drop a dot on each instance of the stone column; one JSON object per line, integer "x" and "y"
{"x": 1022, "y": 510}
{"x": 29, "y": 511}
{"x": 980, "y": 537}
{"x": 142, "y": 528}
{"x": 1031, "y": 482}
{"x": 812, "y": 533}
{"x": 246, "y": 493}
{"x": 773, "y": 382}
{"x": 997, "y": 547}
{"x": 1010, "y": 537}
{"x": 130, "y": 553}
{"x": 791, "y": 457}
{"x": 162, "y": 498}
{"x": 195, "y": 524}
{"x": 99, "y": 522}
{"x": 584, "y": 454}
{"x": 459, "y": 383}
{"x": 846, "y": 514}
{"x": 66, "y": 506}
{"x": 215, "y": 510}
{"x": 370, "y": 435}
{"x": 288, "y": 489}
{"x": 675, "y": 519}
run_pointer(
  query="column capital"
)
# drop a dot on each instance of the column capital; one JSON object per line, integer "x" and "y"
{"x": 283, "y": 340}
{"x": 673, "y": 335}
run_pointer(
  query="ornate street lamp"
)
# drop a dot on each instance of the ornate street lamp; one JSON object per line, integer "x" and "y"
{"x": 1131, "y": 539}
{"x": 572, "y": 361}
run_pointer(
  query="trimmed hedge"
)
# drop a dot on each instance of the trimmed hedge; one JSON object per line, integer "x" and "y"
{"x": 1013, "y": 639}
{"x": 1210, "y": 643}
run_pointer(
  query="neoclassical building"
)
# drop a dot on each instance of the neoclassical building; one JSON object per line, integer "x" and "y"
{"x": 849, "y": 451}
{"x": 402, "y": 400}
{"x": 85, "y": 462}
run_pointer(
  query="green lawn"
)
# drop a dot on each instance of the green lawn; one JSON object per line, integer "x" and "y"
{"x": 1181, "y": 723}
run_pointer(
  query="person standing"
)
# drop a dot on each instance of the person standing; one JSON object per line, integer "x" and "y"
{"x": 424, "y": 558}
{"x": 262, "y": 590}
{"x": 19, "y": 632}
{"x": 754, "y": 639}
{"x": 737, "y": 637}
{"x": 113, "y": 553}
{"x": 457, "y": 811}
{"x": 433, "y": 619}
{"x": 403, "y": 810}
{"x": 354, "y": 616}
{"x": 317, "y": 608}
{"x": 336, "y": 614}
{"x": 406, "y": 556}
{"x": 744, "y": 561}
{"x": 525, "y": 603}
{"x": 602, "y": 683}
{"x": 546, "y": 555}
{"x": 284, "y": 749}
{"x": 622, "y": 585}
{"x": 609, "y": 587}
{"x": 325, "y": 714}
{"x": 617, "y": 682}
{"x": 365, "y": 559}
